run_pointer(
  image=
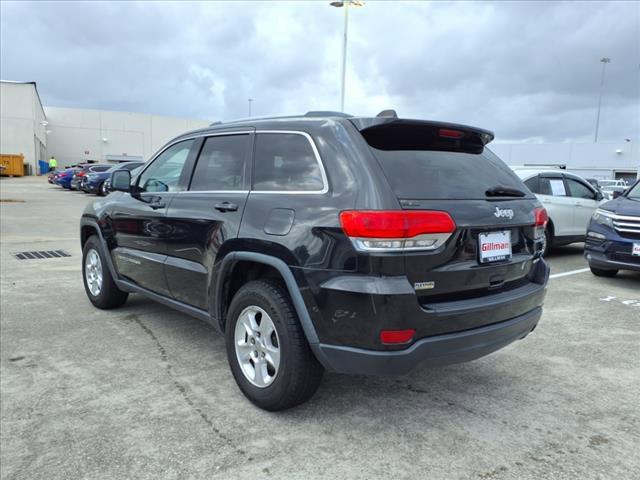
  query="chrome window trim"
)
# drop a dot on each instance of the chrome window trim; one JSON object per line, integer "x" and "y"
{"x": 211, "y": 191}
{"x": 184, "y": 139}
{"x": 314, "y": 148}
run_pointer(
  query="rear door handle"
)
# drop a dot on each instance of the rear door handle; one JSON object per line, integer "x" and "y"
{"x": 226, "y": 207}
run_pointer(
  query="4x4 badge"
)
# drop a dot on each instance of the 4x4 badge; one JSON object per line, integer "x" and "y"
{"x": 503, "y": 212}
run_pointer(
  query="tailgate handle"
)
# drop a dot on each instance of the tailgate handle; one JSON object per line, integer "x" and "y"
{"x": 496, "y": 283}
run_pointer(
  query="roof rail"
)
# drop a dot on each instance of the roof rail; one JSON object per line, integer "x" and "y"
{"x": 326, "y": 113}
{"x": 561, "y": 166}
{"x": 388, "y": 113}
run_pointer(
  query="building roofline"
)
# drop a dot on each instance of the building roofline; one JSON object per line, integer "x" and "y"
{"x": 35, "y": 86}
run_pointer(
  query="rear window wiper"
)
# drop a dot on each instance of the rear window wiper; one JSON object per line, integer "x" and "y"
{"x": 503, "y": 191}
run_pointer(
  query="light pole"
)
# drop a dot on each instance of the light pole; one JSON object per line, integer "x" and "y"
{"x": 604, "y": 61}
{"x": 250, "y": 100}
{"x": 345, "y": 4}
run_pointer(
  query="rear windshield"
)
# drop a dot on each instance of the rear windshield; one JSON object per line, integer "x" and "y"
{"x": 423, "y": 174}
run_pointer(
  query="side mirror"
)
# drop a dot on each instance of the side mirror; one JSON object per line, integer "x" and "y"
{"x": 599, "y": 196}
{"x": 616, "y": 193}
{"x": 121, "y": 181}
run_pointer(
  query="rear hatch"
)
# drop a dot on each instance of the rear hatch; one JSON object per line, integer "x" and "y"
{"x": 446, "y": 167}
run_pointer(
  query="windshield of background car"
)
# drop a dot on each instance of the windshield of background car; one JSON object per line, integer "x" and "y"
{"x": 426, "y": 174}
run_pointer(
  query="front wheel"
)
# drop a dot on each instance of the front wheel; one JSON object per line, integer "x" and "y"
{"x": 599, "y": 272}
{"x": 98, "y": 282}
{"x": 102, "y": 189}
{"x": 267, "y": 350}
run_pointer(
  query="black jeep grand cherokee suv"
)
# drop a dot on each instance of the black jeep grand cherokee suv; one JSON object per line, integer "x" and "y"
{"x": 324, "y": 241}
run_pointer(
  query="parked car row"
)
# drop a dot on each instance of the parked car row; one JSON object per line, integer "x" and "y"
{"x": 89, "y": 177}
{"x": 579, "y": 211}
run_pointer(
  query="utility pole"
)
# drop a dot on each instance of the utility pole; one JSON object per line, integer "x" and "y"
{"x": 345, "y": 4}
{"x": 604, "y": 61}
{"x": 250, "y": 100}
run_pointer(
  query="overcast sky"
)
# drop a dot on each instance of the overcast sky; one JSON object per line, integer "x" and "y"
{"x": 528, "y": 71}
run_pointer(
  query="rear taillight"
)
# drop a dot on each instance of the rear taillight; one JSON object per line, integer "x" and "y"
{"x": 397, "y": 230}
{"x": 396, "y": 337}
{"x": 541, "y": 217}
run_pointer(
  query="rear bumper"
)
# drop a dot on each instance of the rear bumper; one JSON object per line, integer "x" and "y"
{"x": 439, "y": 350}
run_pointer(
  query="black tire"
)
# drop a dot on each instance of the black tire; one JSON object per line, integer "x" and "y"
{"x": 299, "y": 373}
{"x": 109, "y": 295}
{"x": 101, "y": 192}
{"x": 599, "y": 272}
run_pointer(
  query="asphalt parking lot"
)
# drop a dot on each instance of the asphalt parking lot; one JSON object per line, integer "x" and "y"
{"x": 145, "y": 392}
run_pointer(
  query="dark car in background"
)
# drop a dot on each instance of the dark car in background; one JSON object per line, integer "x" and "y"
{"x": 95, "y": 182}
{"x": 64, "y": 177}
{"x": 326, "y": 242}
{"x": 85, "y": 169}
{"x": 613, "y": 236}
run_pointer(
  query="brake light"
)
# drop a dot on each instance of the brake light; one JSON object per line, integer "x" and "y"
{"x": 80, "y": 174}
{"x": 395, "y": 337}
{"x": 541, "y": 217}
{"x": 448, "y": 133}
{"x": 396, "y": 230}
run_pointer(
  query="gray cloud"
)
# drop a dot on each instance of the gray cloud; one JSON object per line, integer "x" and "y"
{"x": 527, "y": 70}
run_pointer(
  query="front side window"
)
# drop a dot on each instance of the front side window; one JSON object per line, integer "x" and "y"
{"x": 579, "y": 190}
{"x": 163, "y": 175}
{"x": 221, "y": 163}
{"x": 286, "y": 162}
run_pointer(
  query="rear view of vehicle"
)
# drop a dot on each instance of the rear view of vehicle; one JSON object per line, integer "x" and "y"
{"x": 453, "y": 262}
{"x": 613, "y": 238}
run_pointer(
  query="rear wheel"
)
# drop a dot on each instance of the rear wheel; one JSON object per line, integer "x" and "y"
{"x": 599, "y": 272}
{"x": 267, "y": 350}
{"x": 98, "y": 282}
{"x": 548, "y": 239}
{"x": 102, "y": 190}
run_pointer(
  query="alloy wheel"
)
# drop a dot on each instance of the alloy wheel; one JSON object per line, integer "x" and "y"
{"x": 93, "y": 272}
{"x": 257, "y": 346}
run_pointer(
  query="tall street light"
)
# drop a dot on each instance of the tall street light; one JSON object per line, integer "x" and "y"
{"x": 345, "y": 4}
{"x": 250, "y": 100}
{"x": 604, "y": 61}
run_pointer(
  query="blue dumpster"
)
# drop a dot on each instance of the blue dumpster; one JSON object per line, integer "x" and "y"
{"x": 44, "y": 167}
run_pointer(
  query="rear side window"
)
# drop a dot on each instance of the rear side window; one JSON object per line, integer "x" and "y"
{"x": 221, "y": 164}
{"x": 101, "y": 168}
{"x": 426, "y": 174}
{"x": 286, "y": 162}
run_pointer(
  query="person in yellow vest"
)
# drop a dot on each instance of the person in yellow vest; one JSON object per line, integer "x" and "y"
{"x": 53, "y": 163}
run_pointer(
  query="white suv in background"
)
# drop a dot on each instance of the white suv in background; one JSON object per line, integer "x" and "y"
{"x": 569, "y": 199}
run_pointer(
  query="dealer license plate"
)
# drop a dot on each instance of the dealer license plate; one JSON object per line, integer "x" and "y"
{"x": 635, "y": 250}
{"x": 494, "y": 246}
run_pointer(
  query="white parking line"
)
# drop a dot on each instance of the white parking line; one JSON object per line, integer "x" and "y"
{"x": 572, "y": 272}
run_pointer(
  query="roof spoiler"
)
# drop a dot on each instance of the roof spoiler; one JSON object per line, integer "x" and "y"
{"x": 389, "y": 133}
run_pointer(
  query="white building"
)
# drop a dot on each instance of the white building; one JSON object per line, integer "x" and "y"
{"x": 78, "y": 135}
{"x": 22, "y": 121}
{"x": 75, "y": 135}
